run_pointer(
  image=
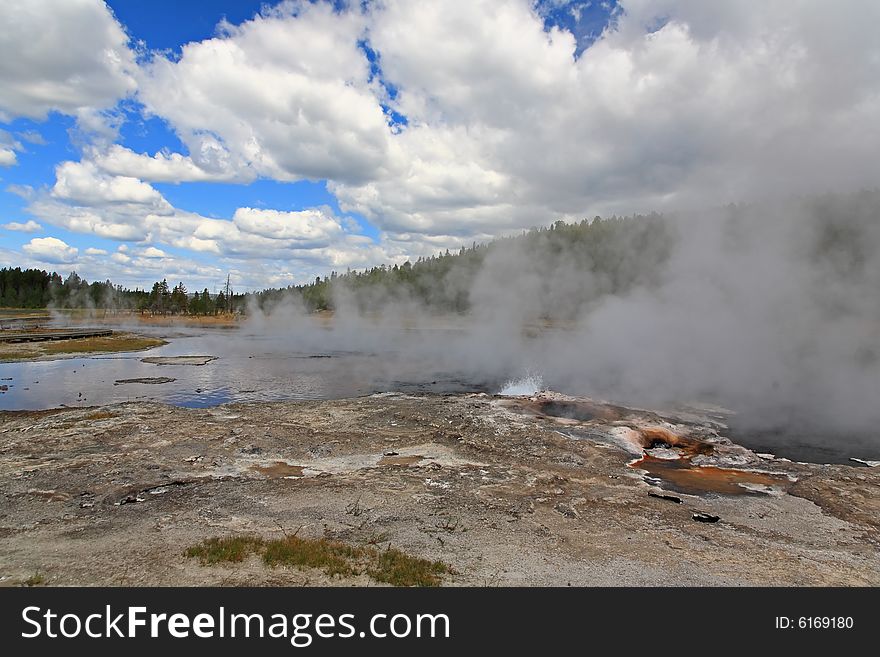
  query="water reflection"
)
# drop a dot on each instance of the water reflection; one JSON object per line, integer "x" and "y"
{"x": 249, "y": 367}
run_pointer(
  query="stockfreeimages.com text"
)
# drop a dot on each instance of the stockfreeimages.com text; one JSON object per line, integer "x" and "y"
{"x": 301, "y": 629}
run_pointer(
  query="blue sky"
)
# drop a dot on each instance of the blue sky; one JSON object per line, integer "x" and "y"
{"x": 276, "y": 142}
{"x": 167, "y": 25}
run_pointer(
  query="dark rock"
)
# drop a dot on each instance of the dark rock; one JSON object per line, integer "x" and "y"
{"x": 705, "y": 517}
{"x": 669, "y": 498}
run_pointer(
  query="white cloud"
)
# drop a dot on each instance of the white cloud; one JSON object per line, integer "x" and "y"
{"x": 169, "y": 167}
{"x": 286, "y": 94}
{"x": 86, "y": 199}
{"x": 8, "y": 146}
{"x": 508, "y": 129}
{"x": 95, "y": 252}
{"x": 24, "y": 191}
{"x": 30, "y": 226}
{"x": 81, "y": 182}
{"x": 153, "y": 252}
{"x": 65, "y": 56}
{"x": 50, "y": 249}
{"x": 314, "y": 227}
{"x": 7, "y": 157}
{"x": 119, "y": 222}
{"x": 32, "y": 137}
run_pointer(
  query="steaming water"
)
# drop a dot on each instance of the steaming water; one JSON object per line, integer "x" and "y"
{"x": 249, "y": 368}
{"x": 525, "y": 386}
{"x": 259, "y": 366}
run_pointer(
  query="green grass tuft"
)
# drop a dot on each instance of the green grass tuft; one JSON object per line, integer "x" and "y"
{"x": 233, "y": 548}
{"x": 35, "y": 580}
{"x": 335, "y": 558}
{"x": 400, "y": 569}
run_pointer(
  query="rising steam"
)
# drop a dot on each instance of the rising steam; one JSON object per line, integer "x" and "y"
{"x": 772, "y": 310}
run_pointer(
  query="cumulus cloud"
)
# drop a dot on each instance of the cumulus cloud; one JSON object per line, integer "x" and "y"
{"x": 30, "y": 226}
{"x": 50, "y": 249}
{"x": 169, "y": 167}
{"x": 714, "y": 106}
{"x": 81, "y": 182}
{"x": 7, "y": 157}
{"x": 153, "y": 252}
{"x": 87, "y": 199}
{"x": 119, "y": 222}
{"x": 508, "y": 124}
{"x": 8, "y": 146}
{"x": 65, "y": 56}
{"x": 314, "y": 227}
{"x": 286, "y": 94}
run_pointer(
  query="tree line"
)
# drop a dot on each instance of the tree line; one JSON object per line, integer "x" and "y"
{"x": 36, "y": 288}
{"x": 558, "y": 271}
{"x": 560, "y": 268}
{"x": 601, "y": 256}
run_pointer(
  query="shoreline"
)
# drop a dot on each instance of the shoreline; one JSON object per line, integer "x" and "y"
{"x": 120, "y": 341}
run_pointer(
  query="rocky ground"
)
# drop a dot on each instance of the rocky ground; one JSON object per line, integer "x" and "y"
{"x": 540, "y": 491}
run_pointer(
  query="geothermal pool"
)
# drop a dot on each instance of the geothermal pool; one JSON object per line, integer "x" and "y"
{"x": 248, "y": 367}
{"x": 257, "y": 366}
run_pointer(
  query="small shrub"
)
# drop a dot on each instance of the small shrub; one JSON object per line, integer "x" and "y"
{"x": 35, "y": 580}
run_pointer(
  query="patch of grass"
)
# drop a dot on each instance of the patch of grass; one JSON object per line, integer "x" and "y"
{"x": 335, "y": 558}
{"x": 35, "y": 580}
{"x": 100, "y": 415}
{"x": 233, "y": 548}
{"x": 105, "y": 344}
{"x": 17, "y": 352}
{"x": 115, "y": 342}
{"x": 400, "y": 569}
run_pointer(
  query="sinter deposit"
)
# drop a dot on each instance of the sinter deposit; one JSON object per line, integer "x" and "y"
{"x": 540, "y": 490}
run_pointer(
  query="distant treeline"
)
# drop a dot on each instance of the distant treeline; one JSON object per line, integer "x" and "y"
{"x": 561, "y": 267}
{"x": 28, "y": 288}
{"x": 35, "y": 288}
{"x": 557, "y": 272}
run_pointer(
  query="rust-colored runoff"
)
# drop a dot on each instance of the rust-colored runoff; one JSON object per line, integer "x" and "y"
{"x": 682, "y": 476}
